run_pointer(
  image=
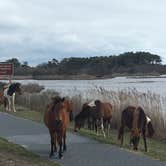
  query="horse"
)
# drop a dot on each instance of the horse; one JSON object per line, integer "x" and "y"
{"x": 56, "y": 119}
{"x": 9, "y": 96}
{"x": 137, "y": 121}
{"x": 88, "y": 113}
{"x": 98, "y": 112}
{"x": 104, "y": 111}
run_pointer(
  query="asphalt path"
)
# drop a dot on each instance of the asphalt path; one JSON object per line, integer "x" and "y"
{"x": 81, "y": 151}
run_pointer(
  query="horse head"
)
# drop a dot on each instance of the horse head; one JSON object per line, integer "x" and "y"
{"x": 17, "y": 88}
{"x": 80, "y": 118}
{"x": 77, "y": 123}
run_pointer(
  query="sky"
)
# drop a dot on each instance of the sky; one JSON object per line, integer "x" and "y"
{"x": 39, "y": 30}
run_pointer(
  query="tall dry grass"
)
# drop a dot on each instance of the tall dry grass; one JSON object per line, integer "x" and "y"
{"x": 153, "y": 104}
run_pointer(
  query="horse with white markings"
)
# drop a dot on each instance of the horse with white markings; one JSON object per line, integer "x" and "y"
{"x": 99, "y": 112}
{"x": 9, "y": 96}
{"x": 137, "y": 121}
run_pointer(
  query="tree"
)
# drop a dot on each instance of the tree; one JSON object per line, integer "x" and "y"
{"x": 15, "y": 61}
{"x": 25, "y": 64}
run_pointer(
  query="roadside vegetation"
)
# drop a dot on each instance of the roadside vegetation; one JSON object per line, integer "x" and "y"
{"x": 15, "y": 155}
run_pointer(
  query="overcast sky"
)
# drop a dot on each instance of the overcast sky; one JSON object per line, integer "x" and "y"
{"x": 39, "y": 30}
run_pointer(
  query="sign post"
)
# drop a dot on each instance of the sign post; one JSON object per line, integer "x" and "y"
{"x": 7, "y": 69}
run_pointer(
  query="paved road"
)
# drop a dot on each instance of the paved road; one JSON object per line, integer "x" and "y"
{"x": 81, "y": 151}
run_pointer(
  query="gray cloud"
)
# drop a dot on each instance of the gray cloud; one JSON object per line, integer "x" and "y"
{"x": 38, "y": 30}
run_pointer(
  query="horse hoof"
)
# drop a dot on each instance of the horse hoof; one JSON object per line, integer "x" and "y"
{"x": 51, "y": 154}
{"x": 64, "y": 149}
{"x": 60, "y": 156}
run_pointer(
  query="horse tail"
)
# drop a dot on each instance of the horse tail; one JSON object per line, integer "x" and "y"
{"x": 150, "y": 129}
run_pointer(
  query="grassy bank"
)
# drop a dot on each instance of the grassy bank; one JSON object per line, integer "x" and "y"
{"x": 156, "y": 149}
{"x": 12, "y": 154}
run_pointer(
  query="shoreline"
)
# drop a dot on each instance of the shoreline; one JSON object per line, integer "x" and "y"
{"x": 81, "y": 77}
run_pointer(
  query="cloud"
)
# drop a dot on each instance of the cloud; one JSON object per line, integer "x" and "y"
{"x": 38, "y": 30}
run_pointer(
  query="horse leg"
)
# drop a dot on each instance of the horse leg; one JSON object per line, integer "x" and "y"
{"x": 108, "y": 129}
{"x": 55, "y": 142}
{"x": 9, "y": 104}
{"x": 60, "y": 145}
{"x": 52, "y": 145}
{"x": 13, "y": 102}
{"x": 5, "y": 103}
{"x": 64, "y": 142}
{"x": 121, "y": 134}
{"x": 95, "y": 125}
{"x": 102, "y": 128}
{"x": 144, "y": 138}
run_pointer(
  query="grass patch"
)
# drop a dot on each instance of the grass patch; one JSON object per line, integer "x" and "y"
{"x": 156, "y": 149}
{"x": 26, "y": 114}
{"x": 12, "y": 154}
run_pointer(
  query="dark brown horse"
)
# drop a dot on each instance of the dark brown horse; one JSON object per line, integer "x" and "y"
{"x": 137, "y": 121}
{"x": 56, "y": 118}
{"x": 97, "y": 112}
{"x": 89, "y": 114}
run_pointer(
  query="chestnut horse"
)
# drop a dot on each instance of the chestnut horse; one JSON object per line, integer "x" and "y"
{"x": 99, "y": 112}
{"x": 56, "y": 118}
{"x": 137, "y": 121}
{"x": 104, "y": 111}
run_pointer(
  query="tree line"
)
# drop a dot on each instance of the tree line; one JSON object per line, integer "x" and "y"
{"x": 129, "y": 63}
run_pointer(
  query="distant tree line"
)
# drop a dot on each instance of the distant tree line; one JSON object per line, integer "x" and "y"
{"x": 129, "y": 63}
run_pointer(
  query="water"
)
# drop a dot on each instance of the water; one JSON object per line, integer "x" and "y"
{"x": 156, "y": 85}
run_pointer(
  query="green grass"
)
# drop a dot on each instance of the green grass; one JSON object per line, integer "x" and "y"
{"x": 27, "y": 114}
{"x": 19, "y": 156}
{"x": 156, "y": 149}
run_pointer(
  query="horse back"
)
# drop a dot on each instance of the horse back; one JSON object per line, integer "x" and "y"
{"x": 105, "y": 110}
{"x": 128, "y": 117}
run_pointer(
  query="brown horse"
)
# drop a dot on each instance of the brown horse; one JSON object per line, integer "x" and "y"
{"x": 104, "y": 116}
{"x": 87, "y": 113}
{"x": 136, "y": 120}
{"x": 56, "y": 118}
{"x": 98, "y": 112}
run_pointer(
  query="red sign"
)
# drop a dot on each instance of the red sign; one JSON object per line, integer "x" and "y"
{"x": 6, "y": 69}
